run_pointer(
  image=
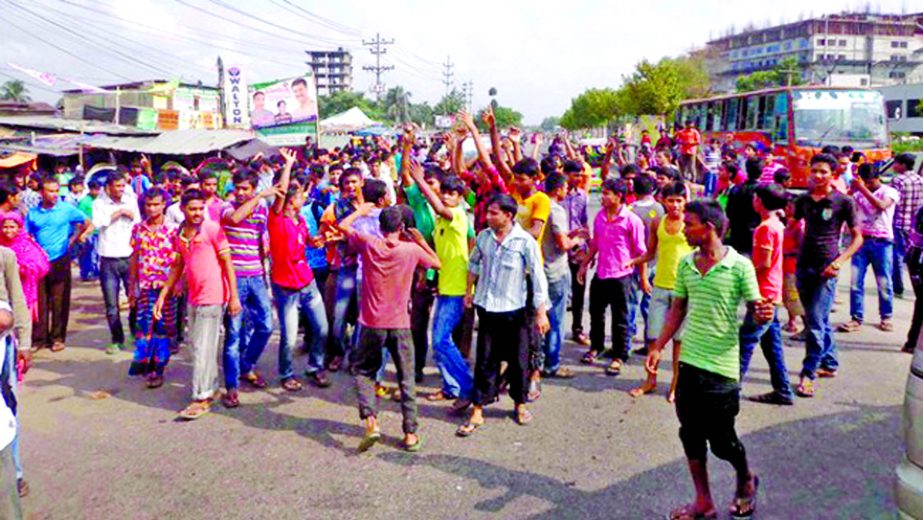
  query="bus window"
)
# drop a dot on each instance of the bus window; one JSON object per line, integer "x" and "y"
{"x": 769, "y": 113}
{"x": 724, "y": 115}
{"x": 781, "y": 117}
{"x": 742, "y": 113}
{"x": 752, "y": 113}
{"x": 702, "y": 117}
{"x": 732, "y": 115}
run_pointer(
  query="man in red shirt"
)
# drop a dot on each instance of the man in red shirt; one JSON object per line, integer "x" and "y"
{"x": 384, "y": 315}
{"x": 689, "y": 140}
{"x": 202, "y": 252}
{"x": 293, "y": 286}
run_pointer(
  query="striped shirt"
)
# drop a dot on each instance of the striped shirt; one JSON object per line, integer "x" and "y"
{"x": 910, "y": 187}
{"x": 710, "y": 340}
{"x": 245, "y": 239}
{"x": 501, "y": 269}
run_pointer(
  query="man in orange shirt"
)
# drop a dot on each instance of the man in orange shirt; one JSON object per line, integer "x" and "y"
{"x": 689, "y": 140}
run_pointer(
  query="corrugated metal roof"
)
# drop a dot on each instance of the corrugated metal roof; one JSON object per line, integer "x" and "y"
{"x": 176, "y": 142}
{"x": 71, "y": 125}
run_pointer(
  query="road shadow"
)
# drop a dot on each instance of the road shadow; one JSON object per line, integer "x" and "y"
{"x": 836, "y": 466}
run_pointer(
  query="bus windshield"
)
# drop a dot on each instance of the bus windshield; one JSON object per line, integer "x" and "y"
{"x": 840, "y": 117}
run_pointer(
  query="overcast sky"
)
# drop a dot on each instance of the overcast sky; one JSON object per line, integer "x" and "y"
{"x": 538, "y": 54}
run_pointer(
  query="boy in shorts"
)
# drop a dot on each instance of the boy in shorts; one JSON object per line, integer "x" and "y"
{"x": 667, "y": 242}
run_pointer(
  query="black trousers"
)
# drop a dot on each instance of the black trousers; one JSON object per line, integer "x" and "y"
{"x": 54, "y": 303}
{"x": 916, "y": 279}
{"x": 707, "y": 405}
{"x": 422, "y": 297}
{"x": 614, "y": 294}
{"x": 502, "y": 336}
{"x": 577, "y": 297}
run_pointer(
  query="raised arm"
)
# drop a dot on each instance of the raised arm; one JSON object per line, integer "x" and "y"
{"x": 468, "y": 122}
{"x": 516, "y": 139}
{"x": 537, "y": 146}
{"x": 407, "y": 141}
{"x": 431, "y": 196}
{"x": 240, "y": 214}
{"x": 346, "y": 225}
{"x": 285, "y": 179}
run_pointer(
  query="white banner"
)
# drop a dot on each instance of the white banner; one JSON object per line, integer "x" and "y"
{"x": 236, "y": 105}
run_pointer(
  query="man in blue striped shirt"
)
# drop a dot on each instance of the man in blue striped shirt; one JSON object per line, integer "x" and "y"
{"x": 506, "y": 269}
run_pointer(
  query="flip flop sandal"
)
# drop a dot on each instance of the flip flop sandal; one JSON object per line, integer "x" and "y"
{"x": 415, "y": 447}
{"x": 849, "y": 326}
{"x": 436, "y": 397}
{"x": 155, "y": 382}
{"x": 826, "y": 373}
{"x": 589, "y": 358}
{"x": 195, "y": 410}
{"x": 746, "y": 502}
{"x": 292, "y": 385}
{"x": 614, "y": 368}
{"x": 805, "y": 390}
{"x": 524, "y": 417}
{"x": 230, "y": 401}
{"x": 686, "y": 513}
{"x": 371, "y": 438}
{"x": 535, "y": 391}
{"x": 468, "y": 429}
{"x": 561, "y": 373}
{"x": 254, "y": 380}
{"x": 886, "y": 326}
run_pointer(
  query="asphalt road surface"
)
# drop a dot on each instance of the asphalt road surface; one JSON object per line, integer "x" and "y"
{"x": 98, "y": 444}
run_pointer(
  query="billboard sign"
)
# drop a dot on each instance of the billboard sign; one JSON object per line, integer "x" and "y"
{"x": 284, "y": 111}
{"x": 236, "y": 109}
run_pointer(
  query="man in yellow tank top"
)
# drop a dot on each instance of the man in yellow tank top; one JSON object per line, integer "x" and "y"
{"x": 667, "y": 241}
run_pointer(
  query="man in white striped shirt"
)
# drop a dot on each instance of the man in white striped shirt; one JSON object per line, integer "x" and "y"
{"x": 506, "y": 268}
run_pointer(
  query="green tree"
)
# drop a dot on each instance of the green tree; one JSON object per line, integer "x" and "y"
{"x": 550, "y": 123}
{"x": 396, "y": 104}
{"x": 786, "y": 72}
{"x": 14, "y": 90}
{"x": 422, "y": 114}
{"x": 594, "y": 107}
{"x": 655, "y": 89}
{"x": 343, "y": 100}
{"x": 450, "y": 103}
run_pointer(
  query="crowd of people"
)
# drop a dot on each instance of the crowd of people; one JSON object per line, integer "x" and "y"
{"x": 384, "y": 247}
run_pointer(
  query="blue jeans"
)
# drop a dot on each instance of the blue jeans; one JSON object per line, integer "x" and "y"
{"x": 9, "y": 372}
{"x": 817, "y": 294}
{"x": 307, "y": 302}
{"x": 897, "y": 260}
{"x": 876, "y": 252}
{"x": 769, "y": 337}
{"x": 639, "y": 300}
{"x": 113, "y": 276}
{"x": 346, "y": 296}
{"x": 558, "y": 291}
{"x": 456, "y": 375}
{"x": 89, "y": 258}
{"x": 252, "y": 339}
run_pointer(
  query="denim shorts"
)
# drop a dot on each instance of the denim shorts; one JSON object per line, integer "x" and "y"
{"x": 661, "y": 300}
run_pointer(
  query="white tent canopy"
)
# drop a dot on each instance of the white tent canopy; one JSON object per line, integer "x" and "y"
{"x": 350, "y": 121}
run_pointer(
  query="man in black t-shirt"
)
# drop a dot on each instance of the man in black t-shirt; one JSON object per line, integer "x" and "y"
{"x": 742, "y": 217}
{"x": 824, "y": 211}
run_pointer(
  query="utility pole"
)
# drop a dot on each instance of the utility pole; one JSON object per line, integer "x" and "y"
{"x": 447, "y": 74}
{"x": 468, "y": 91}
{"x": 378, "y": 47}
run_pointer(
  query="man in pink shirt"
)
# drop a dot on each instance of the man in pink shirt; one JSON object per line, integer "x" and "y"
{"x": 202, "y": 252}
{"x": 384, "y": 315}
{"x": 769, "y": 200}
{"x": 618, "y": 237}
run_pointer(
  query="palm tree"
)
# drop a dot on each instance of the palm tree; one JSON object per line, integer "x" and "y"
{"x": 397, "y": 104}
{"x": 14, "y": 90}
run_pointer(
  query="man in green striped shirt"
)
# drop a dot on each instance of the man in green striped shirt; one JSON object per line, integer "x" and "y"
{"x": 710, "y": 285}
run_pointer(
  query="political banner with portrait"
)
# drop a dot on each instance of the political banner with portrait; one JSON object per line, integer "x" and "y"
{"x": 283, "y": 102}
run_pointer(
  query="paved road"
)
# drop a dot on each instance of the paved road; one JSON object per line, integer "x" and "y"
{"x": 99, "y": 445}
